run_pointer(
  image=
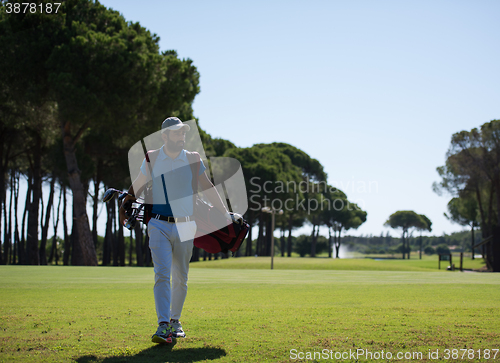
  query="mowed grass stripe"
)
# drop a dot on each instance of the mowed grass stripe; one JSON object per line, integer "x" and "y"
{"x": 428, "y": 263}
{"x": 107, "y": 314}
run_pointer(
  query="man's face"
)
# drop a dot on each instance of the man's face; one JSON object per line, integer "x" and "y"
{"x": 175, "y": 139}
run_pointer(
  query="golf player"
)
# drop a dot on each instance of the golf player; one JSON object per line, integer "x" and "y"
{"x": 172, "y": 229}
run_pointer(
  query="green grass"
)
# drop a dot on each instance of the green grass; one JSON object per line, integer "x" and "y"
{"x": 428, "y": 263}
{"x": 106, "y": 314}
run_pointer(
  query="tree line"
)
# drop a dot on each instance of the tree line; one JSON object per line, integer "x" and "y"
{"x": 471, "y": 175}
{"x": 77, "y": 90}
{"x": 389, "y": 245}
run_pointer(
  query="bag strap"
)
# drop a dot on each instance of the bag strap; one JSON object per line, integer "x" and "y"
{"x": 194, "y": 160}
{"x": 151, "y": 157}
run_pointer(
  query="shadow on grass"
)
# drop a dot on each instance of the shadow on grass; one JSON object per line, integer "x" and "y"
{"x": 161, "y": 353}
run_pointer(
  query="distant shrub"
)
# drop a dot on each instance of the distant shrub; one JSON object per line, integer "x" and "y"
{"x": 371, "y": 251}
{"x": 429, "y": 250}
{"x": 400, "y": 248}
{"x": 303, "y": 245}
{"x": 442, "y": 249}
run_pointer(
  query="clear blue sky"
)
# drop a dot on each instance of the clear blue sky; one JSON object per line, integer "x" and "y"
{"x": 372, "y": 89}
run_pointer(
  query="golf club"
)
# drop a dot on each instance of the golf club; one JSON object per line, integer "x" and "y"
{"x": 133, "y": 213}
{"x": 111, "y": 192}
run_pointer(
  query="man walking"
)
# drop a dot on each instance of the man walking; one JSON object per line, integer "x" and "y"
{"x": 171, "y": 229}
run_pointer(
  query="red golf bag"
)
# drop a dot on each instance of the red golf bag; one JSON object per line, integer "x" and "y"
{"x": 213, "y": 240}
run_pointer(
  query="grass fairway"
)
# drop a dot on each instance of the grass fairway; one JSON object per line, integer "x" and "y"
{"x": 427, "y": 263}
{"x": 81, "y": 314}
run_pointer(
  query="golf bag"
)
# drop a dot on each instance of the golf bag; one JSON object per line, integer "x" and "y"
{"x": 212, "y": 240}
{"x": 208, "y": 237}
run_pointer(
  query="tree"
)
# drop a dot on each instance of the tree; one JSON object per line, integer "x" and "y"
{"x": 334, "y": 208}
{"x": 424, "y": 225}
{"x": 313, "y": 175}
{"x": 26, "y": 40}
{"x": 464, "y": 211}
{"x": 311, "y": 168}
{"x": 103, "y": 76}
{"x": 473, "y": 166}
{"x": 267, "y": 171}
{"x": 405, "y": 220}
{"x": 351, "y": 218}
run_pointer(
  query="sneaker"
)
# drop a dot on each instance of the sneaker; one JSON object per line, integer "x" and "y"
{"x": 163, "y": 334}
{"x": 177, "y": 329}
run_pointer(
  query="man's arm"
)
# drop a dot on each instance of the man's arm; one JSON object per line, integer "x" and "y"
{"x": 138, "y": 184}
{"x": 212, "y": 193}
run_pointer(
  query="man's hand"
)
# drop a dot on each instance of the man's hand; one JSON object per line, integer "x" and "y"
{"x": 123, "y": 217}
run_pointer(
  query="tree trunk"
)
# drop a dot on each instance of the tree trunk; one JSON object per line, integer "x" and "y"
{"x": 497, "y": 191}
{"x": 138, "y": 244}
{"x": 261, "y": 234}
{"x": 45, "y": 227}
{"x": 269, "y": 234}
{"x": 420, "y": 246}
{"x": 10, "y": 220}
{"x": 330, "y": 246}
{"x": 121, "y": 245}
{"x": 108, "y": 236}
{"x": 7, "y": 242}
{"x": 67, "y": 242}
{"x": 338, "y": 242}
{"x": 4, "y": 256}
{"x": 289, "y": 242}
{"x": 33, "y": 213}
{"x": 76, "y": 252}
{"x": 2, "y": 185}
{"x": 131, "y": 243}
{"x": 16, "y": 222}
{"x": 95, "y": 200}
{"x": 481, "y": 209}
{"x": 5, "y": 140}
{"x": 195, "y": 256}
{"x": 146, "y": 252}
{"x": 472, "y": 241}
{"x": 114, "y": 246}
{"x": 85, "y": 241}
{"x": 248, "y": 245}
{"x": 489, "y": 229}
{"x": 494, "y": 250}
{"x": 282, "y": 238}
{"x": 116, "y": 239}
{"x": 313, "y": 241}
{"x": 404, "y": 244}
{"x": 23, "y": 253}
{"x": 408, "y": 249}
{"x": 55, "y": 224}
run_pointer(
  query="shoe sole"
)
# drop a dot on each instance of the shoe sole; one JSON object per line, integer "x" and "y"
{"x": 160, "y": 340}
{"x": 179, "y": 335}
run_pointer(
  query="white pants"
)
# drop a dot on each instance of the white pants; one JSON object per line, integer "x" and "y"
{"x": 170, "y": 258}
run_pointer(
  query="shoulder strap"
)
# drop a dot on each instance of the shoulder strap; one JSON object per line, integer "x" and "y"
{"x": 151, "y": 156}
{"x": 194, "y": 159}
